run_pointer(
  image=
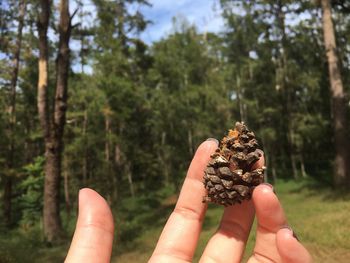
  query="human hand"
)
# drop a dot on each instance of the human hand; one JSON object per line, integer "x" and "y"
{"x": 93, "y": 237}
{"x": 274, "y": 241}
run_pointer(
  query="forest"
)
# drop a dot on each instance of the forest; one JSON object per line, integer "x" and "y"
{"x": 86, "y": 102}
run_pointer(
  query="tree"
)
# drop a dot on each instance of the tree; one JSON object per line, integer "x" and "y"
{"x": 52, "y": 123}
{"x": 121, "y": 65}
{"x": 190, "y": 100}
{"x": 12, "y": 114}
{"x": 341, "y": 166}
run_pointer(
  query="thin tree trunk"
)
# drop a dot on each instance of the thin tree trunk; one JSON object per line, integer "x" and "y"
{"x": 108, "y": 135}
{"x": 108, "y": 147}
{"x": 81, "y": 16}
{"x": 130, "y": 180}
{"x": 66, "y": 187}
{"x": 12, "y": 112}
{"x": 241, "y": 106}
{"x": 163, "y": 158}
{"x": 341, "y": 171}
{"x": 267, "y": 165}
{"x": 294, "y": 165}
{"x": 302, "y": 166}
{"x": 118, "y": 165}
{"x": 190, "y": 141}
{"x": 8, "y": 199}
{"x": 288, "y": 98}
{"x": 85, "y": 162}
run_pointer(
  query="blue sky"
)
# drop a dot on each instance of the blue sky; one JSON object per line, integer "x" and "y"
{"x": 203, "y": 13}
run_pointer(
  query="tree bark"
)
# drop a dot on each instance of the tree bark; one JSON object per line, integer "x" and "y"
{"x": 341, "y": 170}
{"x": 108, "y": 137}
{"x": 302, "y": 166}
{"x": 85, "y": 157}
{"x": 12, "y": 112}
{"x": 163, "y": 159}
{"x": 66, "y": 187}
{"x": 130, "y": 180}
{"x": 288, "y": 100}
{"x": 53, "y": 125}
{"x": 42, "y": 100}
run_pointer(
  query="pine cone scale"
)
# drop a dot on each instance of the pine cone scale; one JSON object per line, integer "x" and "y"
{"x": 229, "y": 177}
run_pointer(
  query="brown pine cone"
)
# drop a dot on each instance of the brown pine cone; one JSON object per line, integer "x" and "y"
{"x": 229, "y": 178}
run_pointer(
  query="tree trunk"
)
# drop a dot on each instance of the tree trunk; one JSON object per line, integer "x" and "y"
{"x": 286, "y": 89}
{"x": 341, "y": 171}
{"x": 294, "y": 165}
{"x": 108, "y": 147}
{"x": 53, "y": 126}
{"x": 108, "y": 135}
{"x": 241, "y": 106}
{"x": 66, "y": 187}
{"x": 130, "y": 180}
{"x": 163, "y": 159}
{"x": 12, "y": 112}
{"x": 52, "y": 220}
{"x": 43, "y": 110}
{"x": 117, "y": 165}
{"x": 302, "y": 166}
{"x": 8, "y": 199}
{"x": 85, "y": 154}
{"x": 190, "y": 141}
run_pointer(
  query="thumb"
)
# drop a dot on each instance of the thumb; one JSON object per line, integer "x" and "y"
{"x": 289, "y": 248}
{"x": 93, "y": 236}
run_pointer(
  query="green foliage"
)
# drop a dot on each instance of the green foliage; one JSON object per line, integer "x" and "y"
{"x": 31, "y": 188}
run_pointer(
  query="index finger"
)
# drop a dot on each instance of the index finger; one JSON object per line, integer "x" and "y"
{"x": 93, "y": 236}
{"x": 180, "y": 235}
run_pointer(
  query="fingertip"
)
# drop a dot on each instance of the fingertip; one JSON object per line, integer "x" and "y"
{"x": 93, "y": 207}
{"x": 213, "y": 140}
{"x": 285, "y": 234}
{"x": 90, "y": 196}
{"x": 290, "y": 249}
{"x": 208, "y": 145}
{"x": 263, "y": 191}
{"x": 93, "y": 236}
{"x": 268, "y": 209}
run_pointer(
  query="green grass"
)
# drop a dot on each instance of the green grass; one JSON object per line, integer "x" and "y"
{"x": 316, "y": 213}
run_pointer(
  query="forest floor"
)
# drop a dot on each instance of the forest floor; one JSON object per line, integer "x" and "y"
{"x": 318, "y": 215}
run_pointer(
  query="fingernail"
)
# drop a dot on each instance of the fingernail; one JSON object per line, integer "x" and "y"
{"x": 213, "y": 140}
{"x": 291, "y": 231}
{"x": 269, "y": 185}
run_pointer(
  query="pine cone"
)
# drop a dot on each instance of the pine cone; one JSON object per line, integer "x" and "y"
{"x": 229, "y": 178}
